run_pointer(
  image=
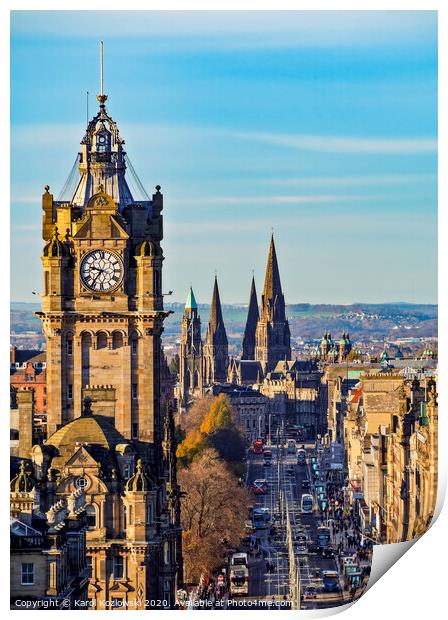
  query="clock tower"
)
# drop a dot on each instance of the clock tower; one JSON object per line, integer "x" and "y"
{"x": 102, "y": 306}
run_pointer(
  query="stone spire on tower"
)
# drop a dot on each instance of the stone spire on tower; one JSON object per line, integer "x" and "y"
{"x": 190, "y": 355}
{"x": 216, "y": 348}
{"x": 272, "y": 338}
{"x": 251, "y": 325}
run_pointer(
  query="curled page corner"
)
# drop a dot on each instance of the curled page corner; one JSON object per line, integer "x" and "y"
{"x": 384, "y": 557}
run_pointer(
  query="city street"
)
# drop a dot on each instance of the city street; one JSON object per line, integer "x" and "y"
{"x": 275, "y": 585}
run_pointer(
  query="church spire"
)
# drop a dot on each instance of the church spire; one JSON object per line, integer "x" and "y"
{"x": 272, "y": 302}
{"x": 216, "y": 323}
{"x": 216, "y": 353}
{"x": 272, "y": 336}
{"x": 251, "y": 325}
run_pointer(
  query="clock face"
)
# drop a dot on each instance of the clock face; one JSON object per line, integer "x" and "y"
{"x": 101, "y": 270}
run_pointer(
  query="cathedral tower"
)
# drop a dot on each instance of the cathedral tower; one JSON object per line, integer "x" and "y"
{"x": 251, "y": 325}
{"x": 216, "y": 348}
{"x": 102, "y": 306}
{"x": 190, "y": 356}
{"x": 272, "y": 338}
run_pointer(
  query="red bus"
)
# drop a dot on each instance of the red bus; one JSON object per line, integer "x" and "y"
{"x": 258, "y": 446}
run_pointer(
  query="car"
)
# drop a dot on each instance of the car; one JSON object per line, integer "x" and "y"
{"x": 310, "y": 592}
{"x": 267, "y": 463}
{"x": 301, "y": 538}
{"x": 302, "y": 549}
{"x": 306, "y": 484}
{"x": 328, "y": 552}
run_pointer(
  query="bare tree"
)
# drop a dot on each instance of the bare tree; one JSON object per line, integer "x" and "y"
{"x": 214, "y": 510}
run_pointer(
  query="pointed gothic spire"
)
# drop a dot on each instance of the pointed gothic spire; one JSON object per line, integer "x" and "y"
{"x": 191, "y": 300}
{"x": 251, "y": 325}
{"x": 272, "y": 335}
{"x": 216, "y": 353}
{"x": 216, "y": 322}
{"x": 272, "y": 285}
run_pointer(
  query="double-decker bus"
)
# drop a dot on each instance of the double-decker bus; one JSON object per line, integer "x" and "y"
{"x": 306, "y": 503}
{"x": 260, "y": 486}
{"x": 291, "y": 447}
{"x": 261, "y": 518}
{"x": 257, "y": 446}
{"x": 301, "y": 457}
{"x": 323, "y": 537}
{"x": 239, "y": 574}
{"x": 330, "y": 581}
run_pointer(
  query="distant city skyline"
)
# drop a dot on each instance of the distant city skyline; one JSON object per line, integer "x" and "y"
{"x": 319, "y": 125}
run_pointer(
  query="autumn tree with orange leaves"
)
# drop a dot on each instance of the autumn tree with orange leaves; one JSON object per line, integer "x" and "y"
{"x": 211, "y": 424}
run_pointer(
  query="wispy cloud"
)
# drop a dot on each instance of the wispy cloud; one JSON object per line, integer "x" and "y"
{"x": 343, "y": 144}
{"x": 351, "y": 181}
{"x": 267, "y": 200}
{"x": 209, "y": 29}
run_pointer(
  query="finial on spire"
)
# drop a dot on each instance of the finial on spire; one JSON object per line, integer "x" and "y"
{"x": 102, "y": 97}
{"x": 101, "y": 67}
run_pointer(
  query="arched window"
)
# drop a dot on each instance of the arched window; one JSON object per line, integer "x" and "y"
{"x": 134, "y": 344}
{"x": 91, "y": 516}
{"x": 101, "y": 340}
{"x": 117, "y": 340}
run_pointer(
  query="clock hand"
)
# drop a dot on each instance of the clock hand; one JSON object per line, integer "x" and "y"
{"x": 100, "y": 271}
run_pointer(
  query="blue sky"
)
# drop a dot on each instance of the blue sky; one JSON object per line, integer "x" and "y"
{"x": 320, "y": 125}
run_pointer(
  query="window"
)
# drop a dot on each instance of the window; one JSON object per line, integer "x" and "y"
{"x": 117, "y": 340}
{"x": 27, "y": 574}
{"x": 149, "y": 514}
{"x": 69, "y": 391}
{"x": 134, "y": 425}
{"x": 91, "y": 517}
{"x": 134, "y": 390}
{"x": 166, "y": 552}
{"x": 101, "y": 340}
{"x": 69, "y": 347}
{"x": 82, "y": 483}
{"x": 134, "y": 346}
{"x": 118, "y": 567}
{"x": 89, "y": 566}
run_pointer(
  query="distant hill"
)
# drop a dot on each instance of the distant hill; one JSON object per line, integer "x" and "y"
{"x": 307, "y": 321}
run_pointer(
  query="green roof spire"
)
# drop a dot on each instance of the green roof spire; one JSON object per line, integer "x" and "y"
{"x": 191, "y": 301}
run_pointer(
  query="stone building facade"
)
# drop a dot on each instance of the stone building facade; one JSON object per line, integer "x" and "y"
{"x": 48, "y": 548}
{"x": 390, "y": 439}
